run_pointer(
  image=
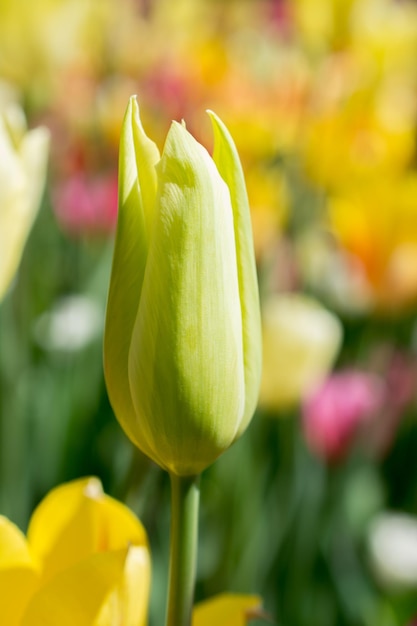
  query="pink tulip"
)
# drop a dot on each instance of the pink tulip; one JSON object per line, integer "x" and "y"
{"x": 86, "y": 205}
{"x": 334, "y": 412}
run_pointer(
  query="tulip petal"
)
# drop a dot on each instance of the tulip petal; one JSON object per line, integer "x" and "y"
{"x": 76, "y": 520}
{"x": 186, "y": 359}
{"x": 228, "y": 163}
{"x": 14, "y": 550}
{"x": 226, "y": 610}
{"x": 18, "y": 573}
{"x": 137, "y": 190}
{"x": 76, "y": 595}
{"x": 128, "y": 603}
{"x": 21, "y": 184}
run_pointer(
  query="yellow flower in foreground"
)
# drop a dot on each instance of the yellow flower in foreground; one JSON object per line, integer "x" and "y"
{"x": 85, "y": 562}
{"x": 182, "y": 346}
{"x": 23, "y": 160}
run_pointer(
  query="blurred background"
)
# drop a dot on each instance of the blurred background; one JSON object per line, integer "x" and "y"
{"x": 315, "y": 508}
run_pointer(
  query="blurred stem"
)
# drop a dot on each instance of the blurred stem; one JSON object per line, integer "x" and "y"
{"x": 185, "y": 495}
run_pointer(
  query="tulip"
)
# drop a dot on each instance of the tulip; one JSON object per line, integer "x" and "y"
{"x": 301, "y": 340}
{"x": 85, "y": 206}
{"x": 85, "y": 561}
{"x": 22, "y": 178}
{"x": 392, "y": 547}
{"x": 182, "y": 347}
{"x": 335, "y": 412}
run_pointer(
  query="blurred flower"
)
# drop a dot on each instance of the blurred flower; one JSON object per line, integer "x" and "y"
{"x": 41, "y": 40}
{"x": 85, "y": 561}
{"x": 301, "y": 340}
{"x": 182, "y": 349}
{"x": 227, "y": 610}
{"x": 358, "y": 132}
{"x": 398, "y": 369}
{"x": 323, "y": 24}
{"x": 392, "y": 542}
{"x": 334, "y": 412}
{"x": 385, "y": 32}
{"x": 86, "y": 206}
{"x": 72, "y": 323}
{"x": 268, "y": 198}
{"x": 377, "y": 224}
{"x": 23, "y": 160}
{"x": 331, "y": 272}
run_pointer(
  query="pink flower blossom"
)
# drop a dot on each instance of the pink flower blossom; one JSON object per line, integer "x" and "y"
{"x": 85, "y": 205}
{"x": 334, "y": 412}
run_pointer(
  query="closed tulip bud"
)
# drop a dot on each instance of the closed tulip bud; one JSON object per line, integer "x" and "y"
{"x": 182, "y": 347}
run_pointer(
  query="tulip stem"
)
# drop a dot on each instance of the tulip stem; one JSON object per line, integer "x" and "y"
{"x": 185, "y": 495}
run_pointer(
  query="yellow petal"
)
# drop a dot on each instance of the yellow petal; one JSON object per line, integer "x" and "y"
{"x": 18, "y": 573}
{"x": 75, "y": 596}
{"x": 17, "y": 585}
{"x": 128, "y": 603}
{"x": 14, "y": 550}
{"x": 226, "y": 610}
{"x": 76, "y": 520}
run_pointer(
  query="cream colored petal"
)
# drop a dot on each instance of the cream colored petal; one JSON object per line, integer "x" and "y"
{"x": 228, "y": 163}
{"x": 22, "y": 179}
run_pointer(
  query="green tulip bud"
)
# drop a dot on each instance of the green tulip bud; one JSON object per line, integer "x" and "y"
{"x": 182, "y": 347}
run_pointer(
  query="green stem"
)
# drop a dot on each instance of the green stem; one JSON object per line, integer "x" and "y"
{"x": 185, "y": 495}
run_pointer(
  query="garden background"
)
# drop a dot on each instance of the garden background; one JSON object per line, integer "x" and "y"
{"x": 315, "y": 508}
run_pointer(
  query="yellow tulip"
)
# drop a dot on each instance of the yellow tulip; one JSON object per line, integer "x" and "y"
{"x": 377, "y": 225}
{"x": 182, "y": 347}
{"x": 227, "y": 610}
{"x": 22, "y": 177}
{"x": 85, "y": 561}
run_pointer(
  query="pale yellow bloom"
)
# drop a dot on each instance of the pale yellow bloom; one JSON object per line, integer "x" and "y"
{"x": 301, "y": 340}
{"x": 23, "y": 160}
{"x": 182, "y": 345}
